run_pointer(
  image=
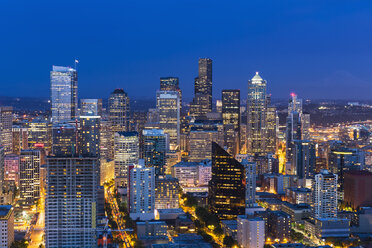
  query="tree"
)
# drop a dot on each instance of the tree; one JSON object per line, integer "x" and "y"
{"x": 228, "y": 241}
{"x": 19, "y": 244}
{"x": 218, "y": 230}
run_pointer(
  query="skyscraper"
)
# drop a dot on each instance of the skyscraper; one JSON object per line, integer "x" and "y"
{"x": 90, "y": 107}
{"x": 169, "y": 106}
{"x": 226, "y": 195}
{"x": 40, "y": 134}
{"x": 169, "y": 84}
{"x": 142, "y": 193}
{"x": 202, "y": 134}
{"x": 126, "y": 153}
{"x": 202, "y": 102}
{"x": 71, "y": 202}
{"x": 89, "y": 136}
{"x": 6, "y": 121}
{"x": 256, "y": 115}
{"x": 64, "y": 94}
{"x": 20, "y": 139}
{"x": 293, "y": 132}
{"x": 119, "y": 110}
{"x": 29, "y": 177}
{"x": 154, "y": 149}
{"x": 65, "y": 139}
{"x": 250, "y": 183}
{"x": 325, "y": 195}
{"x": 294, "y": 104}
{"x": 231, "y": 120}
{"x": 304, "y": 159}
{"x": 271, "y": 123}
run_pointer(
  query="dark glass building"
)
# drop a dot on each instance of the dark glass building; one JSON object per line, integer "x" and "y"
{"x": 227, "y": 186}
{"x": 231, "y": 119}
{"x": 119, "y": 110}
{"x": 202, "y": 102}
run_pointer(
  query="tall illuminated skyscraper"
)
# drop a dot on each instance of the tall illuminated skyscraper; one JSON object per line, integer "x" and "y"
{"x": 293, "y": 132}
{"x": 119, "y": 110}
{"x": 271, "y": 124}
{"x": 126, "y": 153}
{"x": 90, "y": 107}
{"x": 71, "y": 202}
{"x": 202, "y": 102}
{"x": 226, "y": 195}
{"x": 294, "y": 104}
{"x": 89, "y": 136}
{"x": 231, "y": 120}
{"x": 6, "y": 121}
{"x": 256, "y": 115}
{"x": 64, "y": 96}
{"x": 29, "y": 176}
{"x": 169, "y": 106}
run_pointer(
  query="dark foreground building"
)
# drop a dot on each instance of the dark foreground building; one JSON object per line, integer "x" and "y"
{"x": 226, "y": 188}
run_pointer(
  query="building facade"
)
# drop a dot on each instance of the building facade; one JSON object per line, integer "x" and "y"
{"x": 64, "y": 96}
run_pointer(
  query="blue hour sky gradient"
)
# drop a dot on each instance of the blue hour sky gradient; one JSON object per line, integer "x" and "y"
{"x": 318, "y": 49}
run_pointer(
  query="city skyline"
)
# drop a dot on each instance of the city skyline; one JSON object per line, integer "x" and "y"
{"x": 301, "y": 47}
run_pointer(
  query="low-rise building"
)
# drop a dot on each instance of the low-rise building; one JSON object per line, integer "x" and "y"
{"x": 298, "y": 195}
{"x": 298, "y": 212}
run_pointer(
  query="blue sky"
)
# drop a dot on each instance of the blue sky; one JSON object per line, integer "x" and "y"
{"x": 318, "y": 49}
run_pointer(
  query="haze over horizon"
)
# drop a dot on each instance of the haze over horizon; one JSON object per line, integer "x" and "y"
{"x": 297, "y": 46}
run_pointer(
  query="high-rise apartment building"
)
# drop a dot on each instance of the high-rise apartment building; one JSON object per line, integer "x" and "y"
{"x": 256, "y": 115}
{"x": 119, "y": 110}
{"x": 6, "y": 122}
{"x": 166, "y": 192}
{"x": 142, "y": 193}
{"x": 126, "y": 153}
{"x": 64, "y": 96}
{"x": 325, "y": 195}
{"x": 89, "y": 136}
{"x": 250, "y": 232}
{"x": 71, "y": 202}
{"x": 7, "y": 225}
{"x": 29, "y": 177}
{"x": 20, "y": 139}
{"x": 91, "y": 107}
{"x": 169, "y": 106}
{"x": 202, "y": 102}
{"x": 154, "y": 149}
{"x": 231, "y": 120}
{"x": 250, "y": 183}
{"x": 226, "y": 195}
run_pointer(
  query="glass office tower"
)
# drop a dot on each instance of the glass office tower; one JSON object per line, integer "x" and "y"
{"x": 64, "y": 95}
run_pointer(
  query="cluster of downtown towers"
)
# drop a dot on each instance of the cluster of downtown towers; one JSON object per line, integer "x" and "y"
{"x": 85, "y": 139}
